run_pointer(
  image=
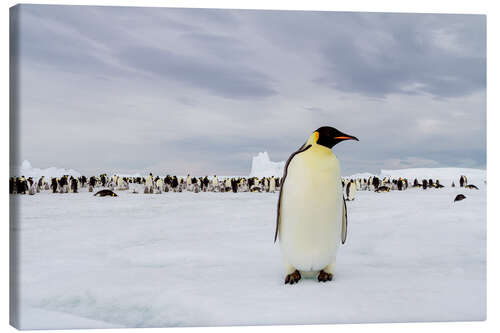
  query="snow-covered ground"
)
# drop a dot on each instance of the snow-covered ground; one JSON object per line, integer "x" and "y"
{"x": 186, "y": 259}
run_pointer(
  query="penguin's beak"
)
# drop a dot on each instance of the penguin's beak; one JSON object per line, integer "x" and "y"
{"x": 346, "y": 137}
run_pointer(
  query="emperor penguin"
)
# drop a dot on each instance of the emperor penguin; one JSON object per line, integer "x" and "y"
{"x": 119, "y": 182}
{"x": 148, "y": 188}
{"x": 159, "y": 185}
{"x": 272, "y": 185}
{"x": 350, "y": 190}
{"x": 312, "y": 213}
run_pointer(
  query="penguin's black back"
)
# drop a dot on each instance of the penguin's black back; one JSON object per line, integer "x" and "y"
{"x": 106, "y": 193}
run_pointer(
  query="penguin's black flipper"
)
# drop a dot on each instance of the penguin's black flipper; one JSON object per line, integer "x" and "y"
{"x": 301, "y": 149}
{"x": 344, "y": 222}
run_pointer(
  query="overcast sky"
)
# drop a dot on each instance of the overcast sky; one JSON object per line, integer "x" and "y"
{"x": 201, "y": 91}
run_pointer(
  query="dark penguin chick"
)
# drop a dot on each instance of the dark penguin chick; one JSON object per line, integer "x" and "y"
{"x": 471, "y": 186}
{"x": 106, "y": 193}
{"x": 459, "y": 197}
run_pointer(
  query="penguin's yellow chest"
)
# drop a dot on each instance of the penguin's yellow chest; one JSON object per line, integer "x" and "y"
{"x": 311, "y": 211}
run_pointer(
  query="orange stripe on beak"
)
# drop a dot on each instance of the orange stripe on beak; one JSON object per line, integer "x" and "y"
{"x": 344, "y": 137}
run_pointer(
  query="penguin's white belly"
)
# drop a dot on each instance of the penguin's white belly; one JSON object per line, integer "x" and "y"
{"x": 311, "y": 211}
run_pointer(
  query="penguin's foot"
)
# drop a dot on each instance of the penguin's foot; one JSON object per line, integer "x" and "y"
{"x": 293, "y": 277}
{"x": 324, "y": 276}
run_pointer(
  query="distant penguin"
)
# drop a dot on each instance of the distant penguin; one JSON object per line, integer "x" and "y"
{"x": 32, "y": 189}
{"x": 106, "y": 193}
{"x": 53, "y": 185}
{"x": 400, "y": 184}
{"x": 215, "y": 183}
{"x": 424, "y": 184}
{"x": 463, "y": 181}
{"x": 21, "y": 185}
{"x": 272, "y": 185}
{"x": 74, "y": 185}
{"x": 234, "y": 185}
{"x": 459, "y": 197}
{"x": 312, "y": 214}
{"x": 148, "y": 188}
{"x": 120, "y": 182}
{"x": 350, "y": 190}
{"x": 41, "y": 182}
{"x": 472, "y": 187}
{"x": 175, "y": 183}
{"x": 103, "y": 179}
{"x": 159, "y": 184}
{"x": 452, "y": 184}
{"x": 92, "y": 181}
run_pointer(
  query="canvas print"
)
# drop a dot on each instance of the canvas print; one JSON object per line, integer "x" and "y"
{"x": 215, "y": 167}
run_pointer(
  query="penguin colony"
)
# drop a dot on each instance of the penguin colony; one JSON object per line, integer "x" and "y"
{"x": 151, "y": 184}
{"x": 388, "y": 184}
{"x": 157, "y": 184}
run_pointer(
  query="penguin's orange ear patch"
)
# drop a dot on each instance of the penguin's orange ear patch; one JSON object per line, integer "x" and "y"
{"x": 316, "y": 135}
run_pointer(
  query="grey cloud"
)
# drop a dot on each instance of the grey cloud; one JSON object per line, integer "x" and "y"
{"x": 226, "y": 80}
{"x": 410, "y": 58}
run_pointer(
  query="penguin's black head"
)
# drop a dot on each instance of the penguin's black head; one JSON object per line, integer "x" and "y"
{"x": 328, "y": 136}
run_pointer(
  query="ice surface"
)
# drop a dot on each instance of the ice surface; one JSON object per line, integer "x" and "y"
{"x": 186, "y": 259}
